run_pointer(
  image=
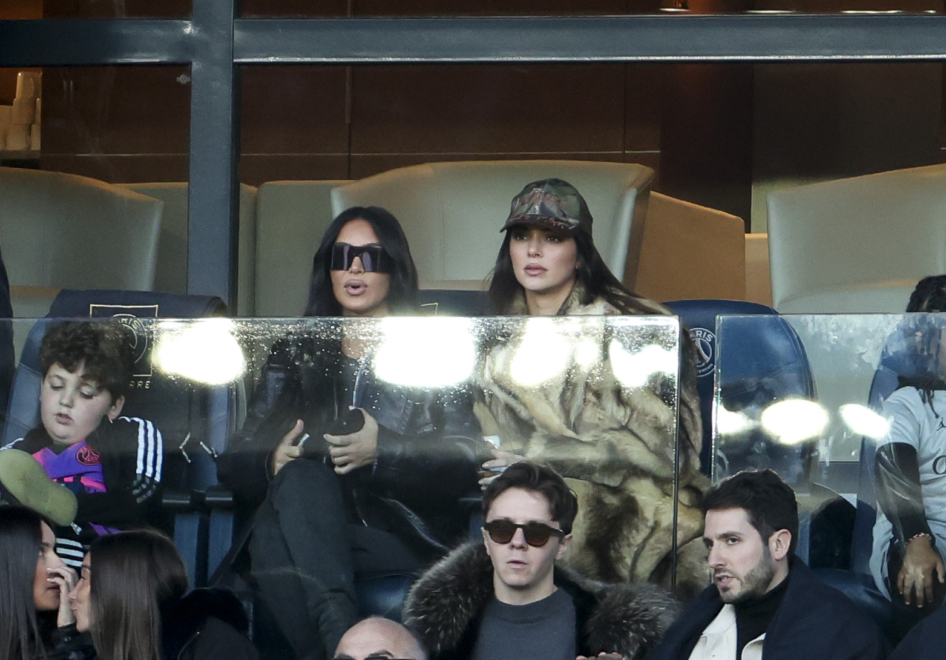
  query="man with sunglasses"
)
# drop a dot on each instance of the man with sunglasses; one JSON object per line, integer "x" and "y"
{"x": 764, "y": 602}
{"x": 507, "y": 598}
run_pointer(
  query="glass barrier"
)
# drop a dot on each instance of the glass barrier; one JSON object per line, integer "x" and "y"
{"x": 848, "y": 410}
{"x": 416, "y": 8}
{"x": 594, "y": 397}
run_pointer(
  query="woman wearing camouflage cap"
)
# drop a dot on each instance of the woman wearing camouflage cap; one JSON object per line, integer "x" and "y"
{"x": 606, "y": 439}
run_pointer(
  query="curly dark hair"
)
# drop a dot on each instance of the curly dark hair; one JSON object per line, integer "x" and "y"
{"x": 101, "y": 348}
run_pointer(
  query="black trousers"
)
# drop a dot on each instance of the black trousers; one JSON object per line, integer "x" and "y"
{"x": 305, "y": 557}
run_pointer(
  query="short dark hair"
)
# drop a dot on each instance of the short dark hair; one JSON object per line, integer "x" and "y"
{"x": 563, "y": 503}
{"x": 101, "y": 347}
{"x": 402, "y": 292}
{"x": 767, "y": 500}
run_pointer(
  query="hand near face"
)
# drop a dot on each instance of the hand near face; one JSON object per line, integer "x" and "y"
{"x": 500, "y": 461}
{"x": 66, "y": 579}
{"x": 287, "y": 450}
{"x": 921, "y": 566}
{"x": 355, "y": 450}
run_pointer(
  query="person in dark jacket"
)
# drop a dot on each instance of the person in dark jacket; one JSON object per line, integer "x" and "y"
{"x": 111, "y": 464}
{"x": 764, "y": 602}
{"x": 35, "y": 619}
{"x": 339, "y": 500}
{"x": 131, "y": 596}
{"x": 506, "y": 597}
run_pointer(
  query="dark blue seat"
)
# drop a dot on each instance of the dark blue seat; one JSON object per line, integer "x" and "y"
{"x": 896, "y": 360}
{"x": 195, "y": 420}
{"x": 766, "y": 363}
{"x": 449, "y": 302}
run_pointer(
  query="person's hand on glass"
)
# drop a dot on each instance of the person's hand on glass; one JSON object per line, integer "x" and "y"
{"x": 495, "y": 466}
{"x": 66, "y": 579}
{"x": 355, "y": 450}
{"x": 287, "y": 450}
{"x": 922, "y": 565}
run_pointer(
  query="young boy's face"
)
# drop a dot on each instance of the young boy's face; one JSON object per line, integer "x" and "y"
{"x": 71, "y": 408}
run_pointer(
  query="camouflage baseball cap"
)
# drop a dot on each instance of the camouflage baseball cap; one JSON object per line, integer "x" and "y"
{"x": 551, "y": 203}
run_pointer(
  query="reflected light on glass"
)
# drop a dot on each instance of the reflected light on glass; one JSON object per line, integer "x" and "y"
{"x": 543, "y": 354}
{"x": 587, "y": 353}
{"x": 864, "y": 421}
{"x": 425, "y": 352}
{"x": 732, "y": 423}
{"x": 205, "y": 351}
{"x": 634, "y": 369}
{"x": 794, "y": 420}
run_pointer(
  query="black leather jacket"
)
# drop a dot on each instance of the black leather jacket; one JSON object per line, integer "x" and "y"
{"x": 429, "y": 442}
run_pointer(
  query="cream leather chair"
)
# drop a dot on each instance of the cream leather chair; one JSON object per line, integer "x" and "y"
{"x": 170, "y": 275}
{"x": 291, "y": 217}
{"x": 691, "y": 252}
{"x": 65, "y": 231}
{"x": 452, "y": 212}
{"x": 857, "y": 245}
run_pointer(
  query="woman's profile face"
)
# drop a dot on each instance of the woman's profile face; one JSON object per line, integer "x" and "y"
{"x": 543, "y": 260}
{"x": 45, "y": 593}
{"x": 80, "y": 598}
{"x": 360, "y": 293}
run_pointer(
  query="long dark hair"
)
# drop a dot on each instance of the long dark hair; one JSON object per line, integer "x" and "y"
{"x": 402, "y": 293}
{"x": 593, "y": 274}
{"x": 924, "y": 336}
{"x": 133, "y": 576}
{"x": 21, "y": 537}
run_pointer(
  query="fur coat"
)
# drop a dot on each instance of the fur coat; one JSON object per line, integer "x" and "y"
{"x": 615, "y": 446}
{"x": 444, "y": 608}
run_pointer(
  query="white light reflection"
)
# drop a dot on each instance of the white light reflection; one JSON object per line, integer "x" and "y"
{"x": 634, "y": 369}
{"x": 864, "y": 421}
{"x": 432, "y": 352}
{"x": 543, "y": 353}
{"x": 732, "y": 423}
{"x": 204, "y": 350}
{"x": 794, "y": 420}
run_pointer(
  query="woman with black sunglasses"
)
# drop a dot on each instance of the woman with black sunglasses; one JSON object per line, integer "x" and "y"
{"x": 356, "y": 476}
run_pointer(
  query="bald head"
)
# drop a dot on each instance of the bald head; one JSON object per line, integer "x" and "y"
{"x": 378, "y": 638}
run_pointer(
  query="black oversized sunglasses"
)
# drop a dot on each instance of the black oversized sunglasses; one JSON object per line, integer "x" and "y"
{"x": 373, "y": 257}
{"x": 537, "y": 534}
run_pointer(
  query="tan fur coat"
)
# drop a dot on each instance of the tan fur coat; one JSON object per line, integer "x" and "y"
{"x": 614, "y": 444}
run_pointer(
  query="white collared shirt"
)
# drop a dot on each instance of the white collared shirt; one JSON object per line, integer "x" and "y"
{"x": 719, "y": 640}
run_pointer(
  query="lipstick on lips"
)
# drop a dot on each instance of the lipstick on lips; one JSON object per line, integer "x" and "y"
{"x": 534, "y": 269}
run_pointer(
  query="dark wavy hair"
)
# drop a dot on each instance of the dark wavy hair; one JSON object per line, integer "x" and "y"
{"x": 21, "y": 536}
{"x": 768, "y": 501}
{"x": 102, "y": 347}
{"x": 563, "y": 503}
{"x": 133, "y": 576}
{"x": 929, "y": 296}
{"x": 402, "y": 293}
{"x": 594, "y": 275}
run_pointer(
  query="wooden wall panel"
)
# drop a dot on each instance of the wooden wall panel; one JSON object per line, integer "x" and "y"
{"x": 494, "y": 109}
{"x": 113, "y": 9}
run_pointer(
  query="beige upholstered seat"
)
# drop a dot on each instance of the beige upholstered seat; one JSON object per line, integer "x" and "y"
{"x": 857, "y": 245}
{"x": 291, "y": 217}
{"x": 452, "y": 212}
{"x": 65, "y": 231}
{"x": 691, "y": 252}
{"x": 170, "y": 275}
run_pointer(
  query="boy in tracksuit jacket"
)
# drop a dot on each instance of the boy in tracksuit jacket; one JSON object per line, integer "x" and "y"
{"x": 85, "y": 467}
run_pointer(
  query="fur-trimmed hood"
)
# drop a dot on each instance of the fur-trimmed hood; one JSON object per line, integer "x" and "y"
{"x": 444, "y": 608}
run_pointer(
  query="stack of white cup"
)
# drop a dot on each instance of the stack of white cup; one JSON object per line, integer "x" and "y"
{"x": 22, "y": 119}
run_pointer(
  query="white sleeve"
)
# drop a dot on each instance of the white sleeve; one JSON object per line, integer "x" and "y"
{"x": 904, "y": 410}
